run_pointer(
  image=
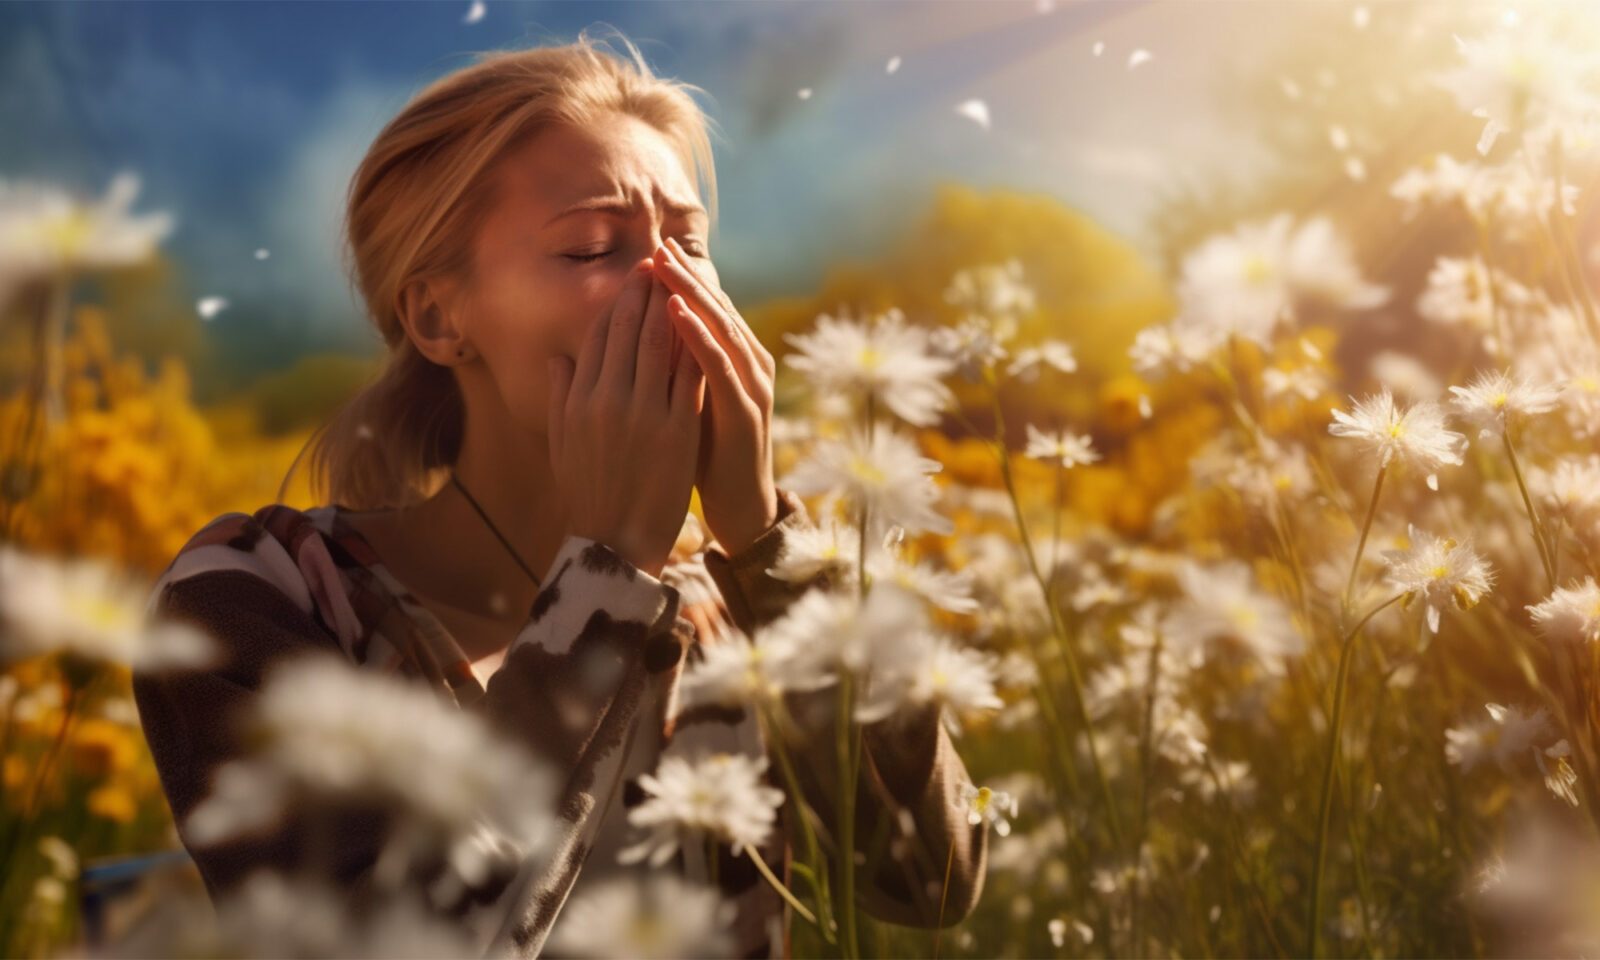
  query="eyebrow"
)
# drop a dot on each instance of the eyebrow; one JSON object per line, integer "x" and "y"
{"x": 621, "y": 208}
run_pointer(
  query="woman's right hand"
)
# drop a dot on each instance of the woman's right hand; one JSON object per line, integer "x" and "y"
{"x": 625, "y": 427}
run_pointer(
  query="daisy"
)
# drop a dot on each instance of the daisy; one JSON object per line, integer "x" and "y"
{"x": 44, "y": 231}
{"x": 1507, "y": 735}
{"x": 887, "y": 475}
{"x": 1570, "y": 614}
{"x": 1417, "y": 435}
{"x": 1460, "y": 290}
{"x": 883, "y": 358}
{"x": 1050, "y": 353}
{"x": 947, "y": 589}
{"x": 931, "y": 670}
{"x": 1440, "y": 181}
{"x": 1492, "y": 399}
{"x": 720, "y": 794}
{"x": 996, "y": 291}
{"x": 87, "y": 608}
{"x": 656, "y": 915}
{"x": 985, "y": 805}
{"x": 828, "y": 548}
{"x": 1511, "y": 78}
{"x": 741, "y": 672}
{"x": 1221, "y": 601}
{"x": 325, "y": 732}
{"x": 1437, "y": 569}
{"x": 1170, "y": 348}
{"x": 973, "y": 344}
{"x": 1070, "y": 449}
{"x": 832, "y": 630}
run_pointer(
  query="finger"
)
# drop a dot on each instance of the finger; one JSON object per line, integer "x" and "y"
{"x": 560, "y": 382}
{"x": 721, "y": 377}
{"x": 756, "y": 349}
{"x": 597, "y": 345}
{"x": 698, "y": 294}
{"x": 686, "y": 383}
{"x": 653, "y": 366}
{"x": 622, "y": 339}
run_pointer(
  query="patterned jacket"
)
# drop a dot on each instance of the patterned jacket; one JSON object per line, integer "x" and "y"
{"x": 283, "y": 581}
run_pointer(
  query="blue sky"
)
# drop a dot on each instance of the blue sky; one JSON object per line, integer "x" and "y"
{"x": 245, "y": 120}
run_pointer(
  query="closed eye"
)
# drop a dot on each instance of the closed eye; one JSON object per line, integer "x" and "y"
{"x": 692, "y": 249}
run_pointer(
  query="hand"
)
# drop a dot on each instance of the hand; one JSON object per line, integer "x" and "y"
{"x": 734, "y": 470}
{"x": 623, "y": 458}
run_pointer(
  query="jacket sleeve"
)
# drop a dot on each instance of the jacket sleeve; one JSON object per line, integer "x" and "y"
{"x": 568, "y": 689}
{"x": 911, "y": 822}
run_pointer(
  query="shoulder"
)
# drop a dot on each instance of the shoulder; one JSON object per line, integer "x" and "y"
{"x": 275, "y": 543}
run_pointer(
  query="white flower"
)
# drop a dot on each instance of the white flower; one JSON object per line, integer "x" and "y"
{"x": 1437, "y": 569}
{"x": 1570, "y": 614}
{"x": 829, "y": 547}
{"x": 1460, "y": 290}
{"x": 87, "y": 607}
{"x": 1051, "y": 353}
{"x": 1221, "y": 601}
{"x": 658, "y": 915}
{"x": 329, "y": 730}
{"x": 1515, "y": 77}
{"x": 996, "y": 291}
{"x": 1417, "y": 435}
{"x": 739, "y": 672}
{"x": 947, "y": 589}
{"x": 1494, "y": 397}
{"x": 1507, "y": 734}
{"x": 831, "y": 630}
{"x": 882, "y": 358}
{"x": 988, "y": 806}
{"x": 44, "y": 231}
{"x": 1570, "y": 489}
{"x": 1440, "y": 181}
{"x": 1071, "y": 449}
{"x": 974, "y": 344}
{"x": 930, "y": 670}
{"x": 1170, "y": 348}
{"x": 1247, "y": 282}
{"x": 720, "y": 795}
{"x": 1307, "y": 382}
{"x": 1404, "y": 375}
{"x": 886, "y": 475}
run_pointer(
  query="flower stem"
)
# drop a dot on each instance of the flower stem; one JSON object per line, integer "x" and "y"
{"x": 944, "y": 894}
{"x": 813, "y": 851}
{"x": 783, "y": 891}
{"x": 1366, "y": 527}
{"x": 1527, "y": 502}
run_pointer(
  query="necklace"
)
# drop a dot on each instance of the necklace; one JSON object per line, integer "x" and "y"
{"x": 496, "y": 530}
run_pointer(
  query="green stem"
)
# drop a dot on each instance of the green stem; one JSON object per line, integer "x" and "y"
{"x": 783, "y": 891}
{"x": 944, "y": 894}
{"x": 1346, "y": 643}
{"x": 813, "y": 849}
{"x": 1366, "y": 527}
{"x": 1527, "y": 502}
{"x": 847, "y": 818}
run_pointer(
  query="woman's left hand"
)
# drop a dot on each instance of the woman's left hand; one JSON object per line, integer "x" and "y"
{"x": 734, "y": 472}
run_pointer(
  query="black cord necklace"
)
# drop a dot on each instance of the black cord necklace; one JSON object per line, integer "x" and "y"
{"x": 496, "y": 530}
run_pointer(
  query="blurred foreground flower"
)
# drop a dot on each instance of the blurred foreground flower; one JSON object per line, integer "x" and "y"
{"x": 657, "y": 916}
{"x": 87, "y": 608}
{"x": 882, "y": 360}
{"x": 886, "y": 475}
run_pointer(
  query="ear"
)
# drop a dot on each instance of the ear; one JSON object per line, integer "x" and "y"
{"x": 425, "y": 312}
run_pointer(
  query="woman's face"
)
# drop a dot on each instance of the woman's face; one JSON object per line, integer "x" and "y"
{"x": 576, "y": 209}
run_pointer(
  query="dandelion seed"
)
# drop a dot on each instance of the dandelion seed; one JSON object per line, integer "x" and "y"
{"x": 209, "y": 307}
{"x": 262, "y": 253}
{"x": 1098, "y": 48}
{"x": 892, "y": 65}
{"x": 1360, "y": 16}
{"x": 720, "y": 795}
{"x": 1435, "y": 570}
{"x": 475, "y": 12}
{"x": 804, "y": 93}
{"x": 975, "y": 110}
{"x": 1338, "y": 138}
{"x": 1355, "y": 168}
{"x": 1570, "y": 615}
{"x": 1137, "y": 57}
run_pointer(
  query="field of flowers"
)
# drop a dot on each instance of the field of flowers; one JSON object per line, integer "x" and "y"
{"x": 1267, "y": 629}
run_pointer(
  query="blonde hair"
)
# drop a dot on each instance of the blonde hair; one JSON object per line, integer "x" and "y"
{"x": 412, "y": 209}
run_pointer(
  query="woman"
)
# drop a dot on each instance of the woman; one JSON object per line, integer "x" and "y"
{"x": 528, "y": 238}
